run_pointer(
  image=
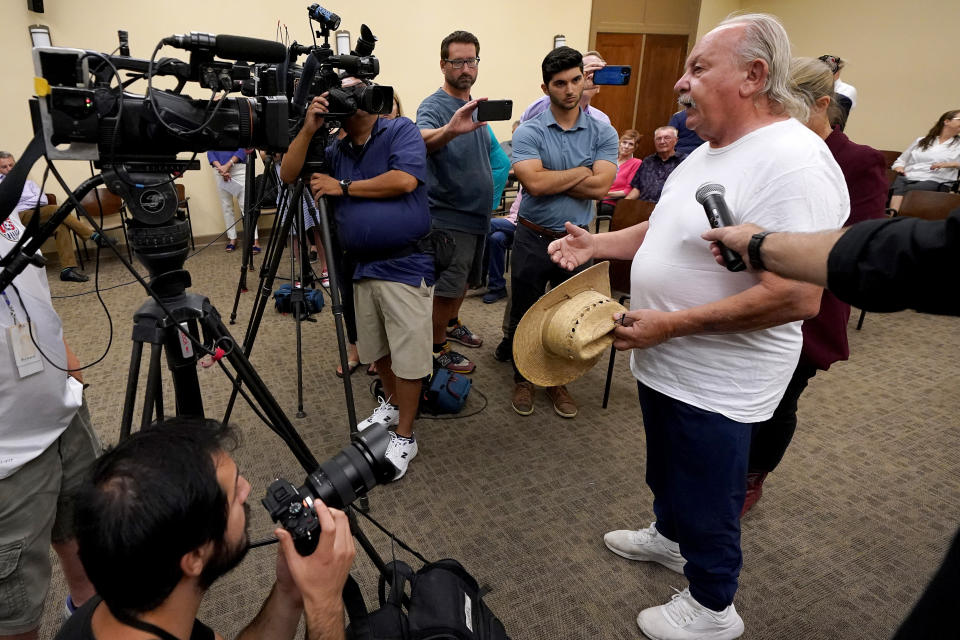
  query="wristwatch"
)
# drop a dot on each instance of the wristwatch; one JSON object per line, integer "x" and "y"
{"x": 345, "y": 185}
{"x": 753, "y": 250}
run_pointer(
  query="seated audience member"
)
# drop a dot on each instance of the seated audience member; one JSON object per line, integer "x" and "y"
{"x": 29, "y": 199}
{"x": 378, "y": 180}
{"x": 627, "y": 167}
{"x": 230, "y": 175}
{"x": 846, "y": 94}
{"x": 499, "y": 239}
{"x": 825, "y": 336}
{"x": 931, "y": 162}
{"x": 163, "y": 515}
{"x": 650, "y": 177}
{"x": 687, "y": 139}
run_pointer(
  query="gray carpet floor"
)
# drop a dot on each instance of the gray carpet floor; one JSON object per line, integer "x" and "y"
{"x": 850, "y": 528}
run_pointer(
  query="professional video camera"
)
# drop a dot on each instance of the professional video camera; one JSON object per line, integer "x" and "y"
{"x": 350, "y": 474}
{"x": 322, "y": 72}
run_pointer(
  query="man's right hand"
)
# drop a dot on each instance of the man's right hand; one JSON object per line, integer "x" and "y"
{"x": 574, "y": 249}
{"x": 321, "y": 575}
{"x": 313, "y": 119}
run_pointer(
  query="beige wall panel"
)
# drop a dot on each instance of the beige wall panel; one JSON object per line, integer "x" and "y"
{"x": 902, "y": 60}
{"x": 514, "y": 37}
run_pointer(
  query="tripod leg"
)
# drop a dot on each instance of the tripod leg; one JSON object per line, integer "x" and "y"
{"x": 130, "y": 396}
{"x": 153, "y": 377}
{"x": 277, "y": 420}
{"x": 271, "y": 263}
{"x": 337, "y": 310}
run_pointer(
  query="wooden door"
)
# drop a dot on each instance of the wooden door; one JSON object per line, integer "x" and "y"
{"x": 648, "y": 101}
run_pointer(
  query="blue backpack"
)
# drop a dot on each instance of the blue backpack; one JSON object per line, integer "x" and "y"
{"x": 313, "y": 298}
{"x": 444, "y": 392}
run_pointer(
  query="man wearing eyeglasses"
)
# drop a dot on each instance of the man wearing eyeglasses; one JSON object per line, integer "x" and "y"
{"x": 460, "y": 190}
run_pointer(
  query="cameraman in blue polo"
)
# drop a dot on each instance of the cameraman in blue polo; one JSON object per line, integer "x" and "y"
{"x": 377, "y": 184}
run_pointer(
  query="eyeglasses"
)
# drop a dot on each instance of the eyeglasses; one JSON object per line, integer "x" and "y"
{"x": 957, "y": 118}
{"x": 458, "y": 64}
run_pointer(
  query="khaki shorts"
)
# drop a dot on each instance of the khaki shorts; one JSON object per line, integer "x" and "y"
{"x": 395, "y": 319}
{"x": 36, "y": 508}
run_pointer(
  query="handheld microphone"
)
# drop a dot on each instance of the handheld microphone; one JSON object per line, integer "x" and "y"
{"x": 230, "y": 47}
{"x": 710, "y": 195}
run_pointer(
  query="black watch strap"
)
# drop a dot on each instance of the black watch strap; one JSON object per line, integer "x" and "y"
{"x": 345, "y": 185}
{"x": 753, "y": 250}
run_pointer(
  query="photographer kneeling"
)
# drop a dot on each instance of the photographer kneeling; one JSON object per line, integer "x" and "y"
{"x": 377, "y": 183}
{"x": 163, "y": 515}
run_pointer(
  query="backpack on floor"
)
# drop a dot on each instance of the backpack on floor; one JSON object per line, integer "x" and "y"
{"x": 444, "y": 392}
{"x": 313, "y": 299}
{"x": 444, "y": 603}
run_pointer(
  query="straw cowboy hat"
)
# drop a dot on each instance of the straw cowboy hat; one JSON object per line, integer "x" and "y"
{"x": 567, "y": 330}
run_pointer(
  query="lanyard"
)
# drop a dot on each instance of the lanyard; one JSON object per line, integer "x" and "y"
{"x": 13, "y": 313}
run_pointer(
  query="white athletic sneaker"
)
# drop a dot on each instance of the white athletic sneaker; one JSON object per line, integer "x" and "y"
{"x": 400, "y": 452}
{"x": 646, "y": 545}
{"x": 386, "y": 414}
{"x": 683, "y": 618}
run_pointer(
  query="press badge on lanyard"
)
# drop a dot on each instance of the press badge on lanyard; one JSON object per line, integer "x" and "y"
{"x": 25, "y": 353}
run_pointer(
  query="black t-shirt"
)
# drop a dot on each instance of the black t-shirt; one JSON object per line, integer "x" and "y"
{"x": 78, "y": 626}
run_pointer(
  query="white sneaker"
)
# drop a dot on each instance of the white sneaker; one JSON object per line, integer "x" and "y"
{"x": 386, "y": 414}
{"x": 683, "y": 618}
{"x": 646, "y": 545}
{"x": 400, "y": 452}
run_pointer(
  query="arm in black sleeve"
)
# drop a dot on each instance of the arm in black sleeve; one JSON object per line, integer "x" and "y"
{"x": 896, "y": 264}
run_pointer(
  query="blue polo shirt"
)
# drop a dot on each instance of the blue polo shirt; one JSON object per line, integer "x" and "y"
{"x": 541, "y": 138}
{"x": 375, "y": 224}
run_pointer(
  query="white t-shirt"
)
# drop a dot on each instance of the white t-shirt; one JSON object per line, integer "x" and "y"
{"x": 916, "y": 161}
{"x": 34, "y": 410}
{"x": 781, "y": 177}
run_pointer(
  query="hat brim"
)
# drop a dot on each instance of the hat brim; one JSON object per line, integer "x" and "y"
{"x": 534, "y": 362}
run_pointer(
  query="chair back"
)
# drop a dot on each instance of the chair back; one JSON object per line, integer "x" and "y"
{"x": 102, "y": 201}
{"x": 181, "y": 193}
{"x": 929, "y": 205}
{"x": 890, "y": 157}
{"x": 626, "y": 214}
{"x": 51, "y": 199}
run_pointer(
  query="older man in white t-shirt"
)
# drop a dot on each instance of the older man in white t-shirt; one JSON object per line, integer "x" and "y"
{"x": 713, "y": 351}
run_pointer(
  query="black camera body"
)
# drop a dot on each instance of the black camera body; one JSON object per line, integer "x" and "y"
{"x": 359, "y": 467}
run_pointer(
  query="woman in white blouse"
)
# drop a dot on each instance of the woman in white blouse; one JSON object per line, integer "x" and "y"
{"x": 931, "y": 161}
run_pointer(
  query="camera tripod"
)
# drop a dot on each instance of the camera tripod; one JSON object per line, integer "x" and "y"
{"x": 290, "y": 214}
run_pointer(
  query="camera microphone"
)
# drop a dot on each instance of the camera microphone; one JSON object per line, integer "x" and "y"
{"x": 710, "y": 195}
{"x": 299, "y": 101}
{"x": 230, "y": 47}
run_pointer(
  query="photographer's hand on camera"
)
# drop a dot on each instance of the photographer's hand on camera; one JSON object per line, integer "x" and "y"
{"x": 320, "y": 576}
{"x": 296, "y": 154}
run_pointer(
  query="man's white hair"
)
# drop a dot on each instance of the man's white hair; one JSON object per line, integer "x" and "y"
{"x": 764, "y": 38}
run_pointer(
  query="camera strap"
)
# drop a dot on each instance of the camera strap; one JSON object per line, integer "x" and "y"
{"x": 11, "y": 187}
{"x": 200, "y": 631}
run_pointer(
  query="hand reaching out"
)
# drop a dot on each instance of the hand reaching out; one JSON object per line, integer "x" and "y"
{"x": 574, "y": 249}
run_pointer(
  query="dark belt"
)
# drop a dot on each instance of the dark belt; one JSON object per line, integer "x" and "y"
{"x": 550, "y": 233}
